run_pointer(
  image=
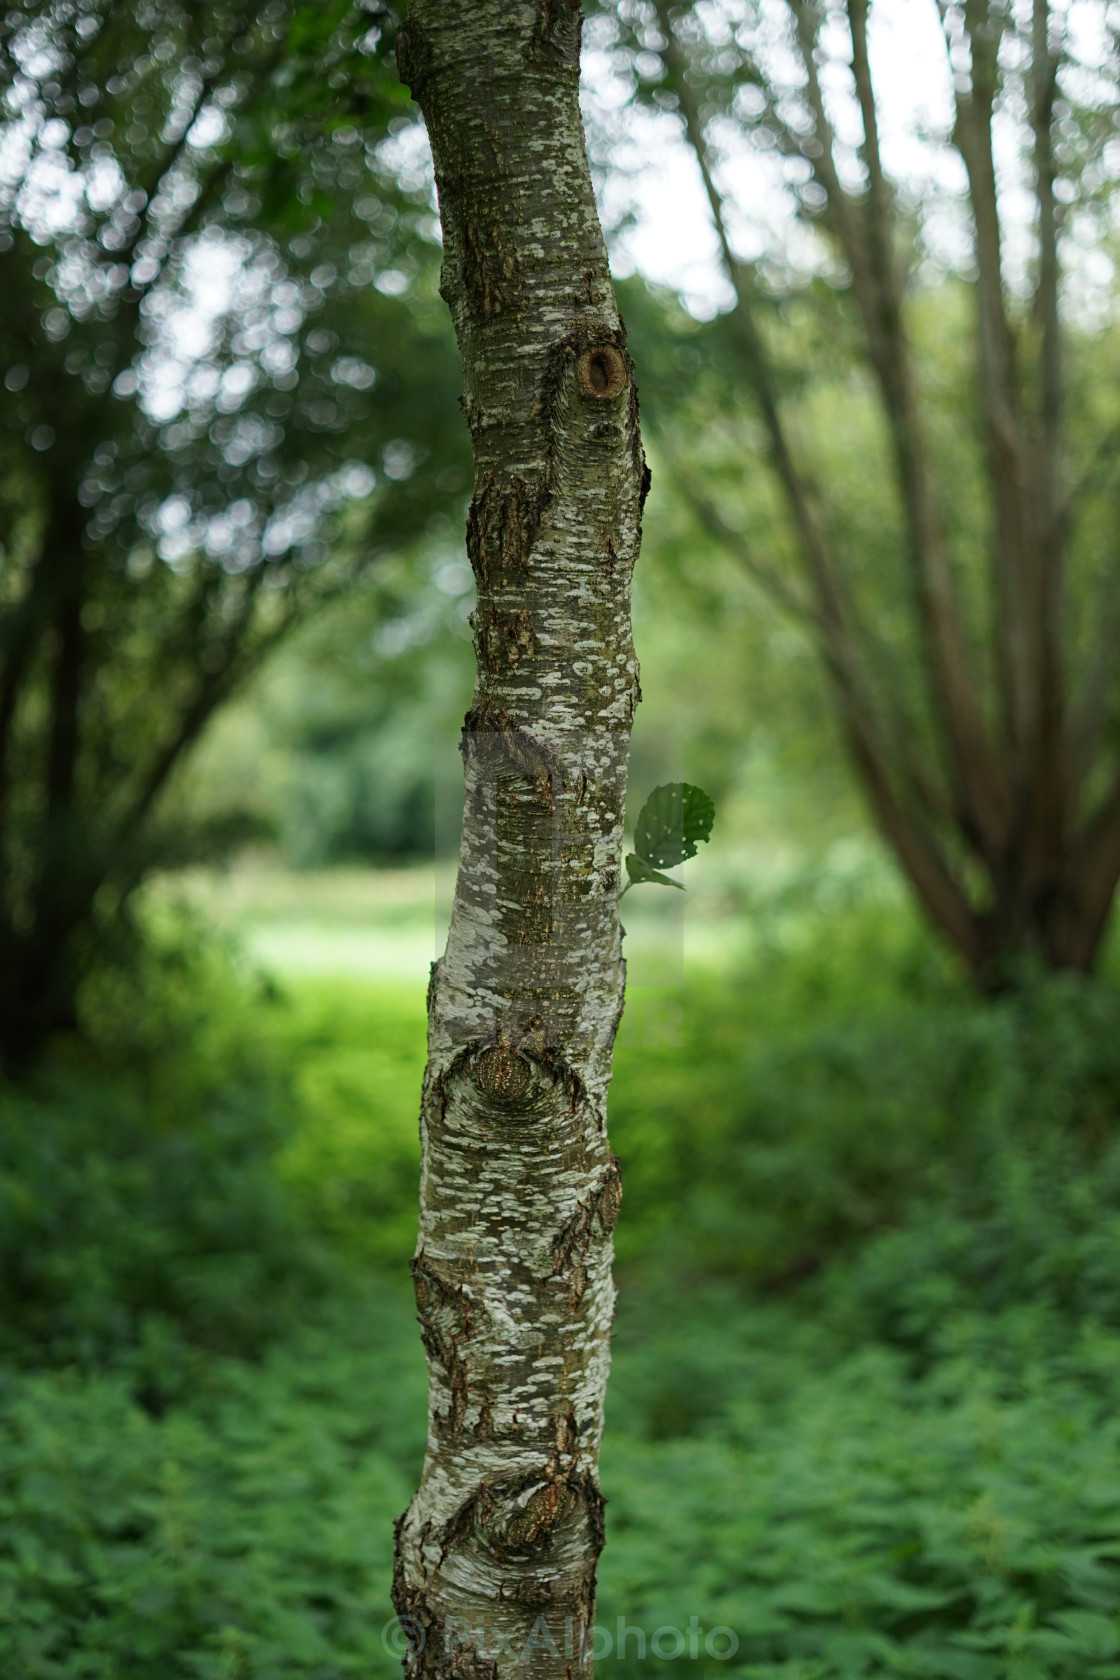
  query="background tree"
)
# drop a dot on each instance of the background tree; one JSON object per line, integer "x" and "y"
{"x": 496, "y": 1555}
{"x": 946, "y": 534}
{"x": 219, "y": 343}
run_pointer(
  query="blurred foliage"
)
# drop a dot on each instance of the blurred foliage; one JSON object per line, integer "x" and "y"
{"x": 230, "y": 393}
{"x": 847, "y": 1520}
{"x": 248, "y": 1534}
{"x": 867, "y": 1365}
{"x": 856, "y": 1104}
{"x": 331, "y": 753}
{"x": 357, "y": 1181}
{"x": 142, "y": 1220}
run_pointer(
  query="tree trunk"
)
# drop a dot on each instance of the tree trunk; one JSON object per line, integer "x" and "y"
{"x": 496, "y": 1555}
{"x": 39, "y": 977}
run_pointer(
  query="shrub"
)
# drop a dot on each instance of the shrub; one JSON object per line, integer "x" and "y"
{"x": 141, "y": 1214}
{"x": 927, "y": 1147}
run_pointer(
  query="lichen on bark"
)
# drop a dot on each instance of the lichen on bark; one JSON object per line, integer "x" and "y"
{"x": 496, "y": 1555}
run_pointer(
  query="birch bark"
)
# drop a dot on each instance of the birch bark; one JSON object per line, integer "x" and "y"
{"x": 496, "y": 1555}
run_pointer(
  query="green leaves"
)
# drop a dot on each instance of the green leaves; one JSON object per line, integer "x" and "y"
{"x": 639, "y": 870}
{"x": 673, "y": 820}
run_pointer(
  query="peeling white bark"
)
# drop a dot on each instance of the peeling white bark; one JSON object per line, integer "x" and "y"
{"x": 519, "y": 1191}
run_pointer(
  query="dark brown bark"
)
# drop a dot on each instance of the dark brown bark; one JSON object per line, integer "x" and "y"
{"x": 37, "y": 995}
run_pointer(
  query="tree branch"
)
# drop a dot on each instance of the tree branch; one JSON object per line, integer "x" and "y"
{"x": 1096, "y": 871}
{"x": 1043, "y": 95}
{"x": 713, "y": 521}
{"x": 235, "y": 665}
{"x": 866, "y": 242}
{"x": 981, "y": 794}
{"x": 972, "y": 134}
{"x": 18, "y": 645}
{"x": 820, "y": 565}
{"x": 888, "y": 760}
{"x": 1088, "y": 720}
{"x": 212, "y": 686}
{"x": 1045, "y": 557}
{"x": 934, "y": 882}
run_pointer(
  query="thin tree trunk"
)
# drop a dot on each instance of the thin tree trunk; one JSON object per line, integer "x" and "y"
{"x": 496, "y": 1555}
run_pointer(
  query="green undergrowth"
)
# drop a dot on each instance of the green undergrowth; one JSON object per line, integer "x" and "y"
{"x": 847, "y": 1518}
{"x": 144, "y": 1227}
{"x": 867, "y": 1369}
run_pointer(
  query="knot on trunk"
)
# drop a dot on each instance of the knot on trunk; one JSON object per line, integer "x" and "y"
{"x": 525, "y": 1081}
{"x": 502, "y": 1074}
{"x": 535, "y": 1520}
{"x": 601, "y": 372}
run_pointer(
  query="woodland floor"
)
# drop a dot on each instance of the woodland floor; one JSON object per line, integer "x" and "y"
{"x": 865, "y": 1406}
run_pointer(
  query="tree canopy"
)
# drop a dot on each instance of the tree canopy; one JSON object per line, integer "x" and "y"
{"x": 220, "y": 345}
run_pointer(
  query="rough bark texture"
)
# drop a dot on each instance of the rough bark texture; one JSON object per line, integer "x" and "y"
{"x": 519, "y": 1191}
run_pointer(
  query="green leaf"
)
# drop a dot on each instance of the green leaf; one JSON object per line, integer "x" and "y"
{"x": 672, "y": 820}
{"x": 639, "y": 870}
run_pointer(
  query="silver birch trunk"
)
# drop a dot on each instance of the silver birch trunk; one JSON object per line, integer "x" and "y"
{"x": 496, "y": 1555}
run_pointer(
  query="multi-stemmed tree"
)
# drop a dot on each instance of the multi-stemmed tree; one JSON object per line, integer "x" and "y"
{"x": 947, "y": 540}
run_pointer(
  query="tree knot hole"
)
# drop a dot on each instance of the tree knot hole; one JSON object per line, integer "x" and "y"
{"x": 602, "y": 372}
{"x": 503, "y": 1074}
